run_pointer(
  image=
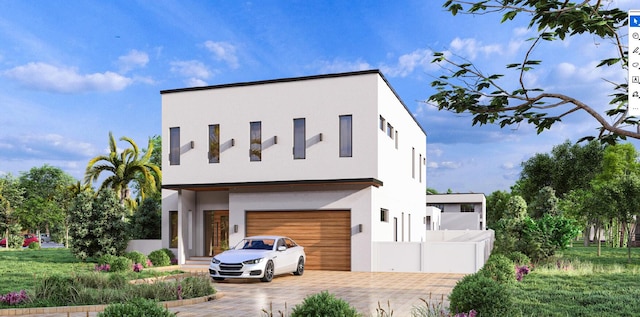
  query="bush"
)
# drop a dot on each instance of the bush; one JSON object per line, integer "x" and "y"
{"x": 324, "y": 304}
{"x": 116, "y": 263}
{"x": 159, "y": 258}
{"x": 499, "y": 268}
{"x": 137, "y": 307}
{"x": 169, "y": 253}
{"x": 192, "y": 287}
{"x": 137, "y": 257}
{"x": 15, "y": 241}
{"x": 106, "y": 259}
{"x": 34, "y": 245}
{"x": 56, "y": 290}
{"x": 519, "y": 258}
{"x": 482, "y": 294}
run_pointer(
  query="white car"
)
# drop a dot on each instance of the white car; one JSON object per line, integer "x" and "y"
{"x": 260, "y": 257}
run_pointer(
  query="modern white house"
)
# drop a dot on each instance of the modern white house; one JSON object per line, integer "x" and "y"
{"x": 467, "y": 211}
{"x": 336, "y": 162}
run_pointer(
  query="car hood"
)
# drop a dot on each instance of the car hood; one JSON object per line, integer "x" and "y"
{"x": 239, "y": 256}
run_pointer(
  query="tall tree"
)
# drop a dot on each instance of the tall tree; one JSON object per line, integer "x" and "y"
{"x": 545, "y": 202}
{"x": 490, "y": 98}
{"x": 156, "y": 159}
{"x": 568, "y": 166}
{"x": 123, "y": 168}
{"x": 11, "y": 198}
{"x": 496, "y": 207}
{"x": 44, "y": 195}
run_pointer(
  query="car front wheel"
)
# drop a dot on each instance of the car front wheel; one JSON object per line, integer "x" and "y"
{"x": 268, "y": 272}
{"x": 300, "y": 267}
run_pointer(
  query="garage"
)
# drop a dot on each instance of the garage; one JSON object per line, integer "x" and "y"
{"x": 325, "y": 235}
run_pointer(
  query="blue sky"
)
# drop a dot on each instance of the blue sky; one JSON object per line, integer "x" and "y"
{"x": 71, "y": 71}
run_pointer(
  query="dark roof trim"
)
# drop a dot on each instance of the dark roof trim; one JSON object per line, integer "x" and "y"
{"x": 213, "y": 186}
{"x": 291, "y": 79}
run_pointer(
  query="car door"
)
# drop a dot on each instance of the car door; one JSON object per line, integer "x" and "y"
{"x": 285, "y": 259}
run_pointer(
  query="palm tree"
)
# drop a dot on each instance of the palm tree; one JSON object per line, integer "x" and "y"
{"x": 125, "y": 167}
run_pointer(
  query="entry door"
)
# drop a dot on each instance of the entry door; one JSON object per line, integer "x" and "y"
{"x": 216, "y": 231}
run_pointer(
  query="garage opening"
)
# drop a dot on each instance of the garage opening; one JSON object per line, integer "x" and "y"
{"x": 325, "y": 235}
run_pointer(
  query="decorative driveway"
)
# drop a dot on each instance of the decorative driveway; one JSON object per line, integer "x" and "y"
{"x": 362, "y": 290}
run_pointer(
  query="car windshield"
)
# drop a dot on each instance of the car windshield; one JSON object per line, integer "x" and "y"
{"x": 255, "y": 244}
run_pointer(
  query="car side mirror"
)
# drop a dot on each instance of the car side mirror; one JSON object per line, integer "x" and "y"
{"x": 282, "y": 248}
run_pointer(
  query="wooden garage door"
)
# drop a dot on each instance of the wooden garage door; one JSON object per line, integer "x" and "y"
{"x": 325, "y": 235}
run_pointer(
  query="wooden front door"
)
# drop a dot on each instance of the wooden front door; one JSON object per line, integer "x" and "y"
{"x": 216, "y": 231}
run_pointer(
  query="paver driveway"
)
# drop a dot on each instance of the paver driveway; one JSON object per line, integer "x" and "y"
{"x": 362, "y": 290}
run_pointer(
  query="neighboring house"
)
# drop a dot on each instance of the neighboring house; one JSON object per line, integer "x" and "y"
{"x": 335, "y": 162}
{"x": 460, "y": 211}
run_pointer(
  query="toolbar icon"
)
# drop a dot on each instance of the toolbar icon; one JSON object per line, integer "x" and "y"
{"x": 634, "y": 21}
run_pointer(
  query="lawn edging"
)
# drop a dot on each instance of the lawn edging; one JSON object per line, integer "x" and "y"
{"x": 99, "y": 308}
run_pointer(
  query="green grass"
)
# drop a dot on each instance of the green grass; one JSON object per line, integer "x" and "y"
{"x": 579, "y": 283}
{"x": 19, "y": 269}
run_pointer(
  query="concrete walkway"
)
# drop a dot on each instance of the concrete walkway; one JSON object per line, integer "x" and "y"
{"x": 364, "y": 291}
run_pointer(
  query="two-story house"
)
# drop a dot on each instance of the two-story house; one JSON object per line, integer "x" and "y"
{"x": 333, "y": 161}
{"x": 466, "y": 211}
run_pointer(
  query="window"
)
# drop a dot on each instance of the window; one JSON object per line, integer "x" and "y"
{"x": 383, "y": 123}
{"x": 255, "y": 140}
{"x": 413, "y": 162}
{"x": 173, "y": 229}
{"x": 384, "y": 215}
{"x": 396, "y": 139}
{"x": 428, "y": 222}
{"x": 390, "y": 132}
{"x": 466, "y": 208}
{"x": 214, "y": 143}
{"x": 395, "y": 229}
{"x": 299, "y": 139}
{"x": 345, "y": 136}
{"x": 420, "y": 167}
{"x": 174, "y": 146}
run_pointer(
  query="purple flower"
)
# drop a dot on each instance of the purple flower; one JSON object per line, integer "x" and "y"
{"x": 14, "y": 298}
{"x": 103, "y": 267}
{"x": 174, "y": 261}
{"x": 521, "y": 271}
{"x": 137, "y": 267}
{"x": 149, "y": 263}
{"x": 179, "y": 292}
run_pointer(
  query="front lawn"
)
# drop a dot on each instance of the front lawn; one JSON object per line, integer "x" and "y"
{"x": 579, "y": 283}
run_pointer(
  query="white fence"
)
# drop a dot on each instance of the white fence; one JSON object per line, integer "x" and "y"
{"x": 446, "y": 251}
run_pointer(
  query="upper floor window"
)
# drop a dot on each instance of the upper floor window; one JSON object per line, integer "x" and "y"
{"x": 299, "y": 139}
{"x": 214, "y": 143}
{"x": 390, "y": 131}
{"x": 396, "y": 139}
{"x": 413, "y": 162}
{"x": 467, "y": 208}
{"x": 345, "y": 136}
{"x": 174, "y": 146}
{"x": 384, "y": 215}
{"x": 383, "y": 123}
{"x": 255, "y": 139}
{"x": 420, "y": 168}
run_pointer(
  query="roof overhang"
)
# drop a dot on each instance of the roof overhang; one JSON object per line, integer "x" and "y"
{"x": 273, "y": 184}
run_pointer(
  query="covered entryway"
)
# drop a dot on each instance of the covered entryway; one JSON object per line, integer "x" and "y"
{"x": 216, "y": 231}
{"x": 325, "y": 235}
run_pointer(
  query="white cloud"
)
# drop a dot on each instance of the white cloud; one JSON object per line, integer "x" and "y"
{"x": 338, "y": 66}
{"x": 471, "y": 47}
{"x": 223, "y": 51}
{"x": 46, "y": 77}
{"x": 192, "y": 68}
{"x": 132, "y": 60}
{"x": 407, "y": 63}
{"x": 195, "y": 82}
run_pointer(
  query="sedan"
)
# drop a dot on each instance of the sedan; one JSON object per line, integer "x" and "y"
{"x": 260, "y": 257}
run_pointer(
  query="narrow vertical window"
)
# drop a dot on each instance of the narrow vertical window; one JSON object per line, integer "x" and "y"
{"x": 395, "y": 229}
{"x": 396, "y": 139}
{"x": 383, "y": 123}
{"x": 346, "y": 137}
{"x": 174, "y": 146}
{"x": 413, "y": 162}
{"x": 420, "y": 168}
{"x": 255, "y": 137}
{"x": 214, "y": 143}
{"x": 299, "y": 139}
{"x": 173, "y": 229}
{"x": 390, "y": 130}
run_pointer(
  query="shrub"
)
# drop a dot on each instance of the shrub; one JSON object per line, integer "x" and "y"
{"x": 34, "y": 245}
{"x": 121, "y": 264}
{"x": 56, "y": 290}
{"x": 196, "y": 286}
{"x": 324, "y": 304}
{"x": 169, "y": 253}
{"x": 159, "y": 258}
{"x": 137, "y": 307}
{"x": 106, "y": 259}
{"x": 519, "y": 258}
{"x": 499, "y": 268}
{"x": 15, "y": 241}
{"x": 137, "y": 257}
{"x": 482, "y": 294}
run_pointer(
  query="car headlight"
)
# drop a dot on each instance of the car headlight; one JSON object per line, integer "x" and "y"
{"x": 254, "y": 261}
{"x": 215, "y": 261}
